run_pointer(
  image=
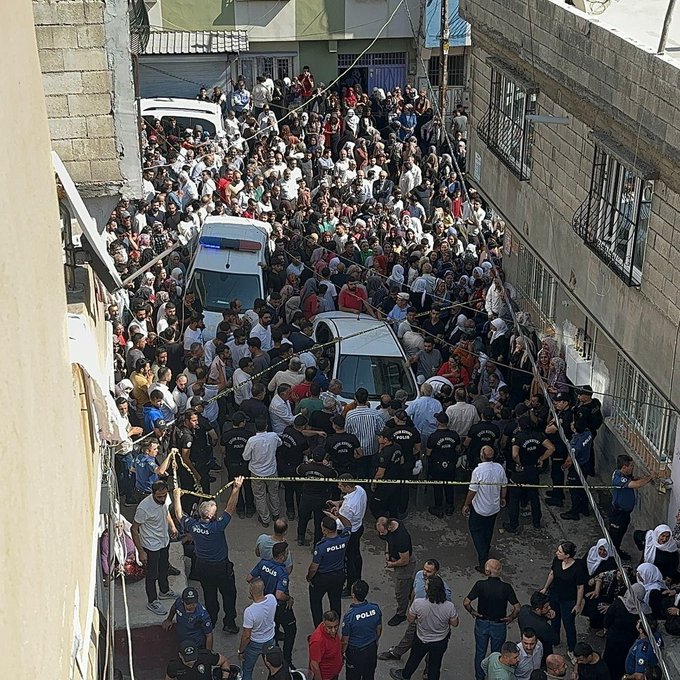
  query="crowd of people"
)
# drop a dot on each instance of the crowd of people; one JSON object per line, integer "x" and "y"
{"x": 370, "y": 214}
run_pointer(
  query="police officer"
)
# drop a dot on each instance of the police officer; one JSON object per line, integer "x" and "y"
{"x": 361, "y": 630}
{"x": 193, "y": 620}
{"x": 590, "y": 411}
{"x": 483, "y": 433}
{"x": 234, "y": 440}
{"x": 194, "y": 664}
{"x": 326, "y": 572}
{"x": 390, "y": 463}
{"x": 565, "y": 416}
{"x": 314, "y": 494}
{"x": 274, "y": 575}
{"x": 291, "y": 452}
{"x": 581, "y": 444}
{"x": 407, "y": 438}
{"x": 442, "y": 452}
{"x": 529, "y": 449}
{"x": 342, "y": 448}
{"x": 183, "y": 439}
{"x": 213, "y": 568}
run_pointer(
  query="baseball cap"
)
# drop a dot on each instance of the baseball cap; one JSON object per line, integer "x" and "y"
{"x": 160, "y": 424}
{"x": 388, "y": 433}
{"x": 238, "y": 417}
{"x": 188, "y": 650}
{"x": 441, "y": 417}
{"x": 562, "y": 396}
{"x": 338, "y": 421}
{"x": 189, "y": 596}
{"x": 584, "y": 389}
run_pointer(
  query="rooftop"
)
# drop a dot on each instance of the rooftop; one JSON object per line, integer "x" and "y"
{"x": 197, "y": 42}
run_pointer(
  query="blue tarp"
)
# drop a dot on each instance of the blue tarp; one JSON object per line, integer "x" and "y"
{"x": 459, "y": 30}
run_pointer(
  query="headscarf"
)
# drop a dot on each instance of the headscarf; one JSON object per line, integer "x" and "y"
{"x": 652, "y": 542}
{"x": 499, "y": 329}
{"x": 556, "y": 372}
{"x": 650, "y": 577}
{"x": 124, "y": 387}
{"x": 397, "y": 275}
{"x": 478, "y": 271}
{"x": 486, "y": 265}
{"x": 292, "y": 305}
{"x": 310, "y": 288}
{"x": 552, "y": 347}
{"x": 460, "y": 323}
{"x": 634, "y": 598}
{"x": 594, "y": 559}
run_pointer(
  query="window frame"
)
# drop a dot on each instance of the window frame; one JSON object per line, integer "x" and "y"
{"x": 456, "y": 70}
{"x": 536, "y": 286}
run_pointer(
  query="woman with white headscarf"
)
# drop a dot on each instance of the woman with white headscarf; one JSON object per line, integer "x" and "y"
{"x": 352, "y": 121}
{"x": 499, "y": 341}
{"x": 599, "y": 560}
{"x": 660, "y": 549}
{"x": 397, "y": 276}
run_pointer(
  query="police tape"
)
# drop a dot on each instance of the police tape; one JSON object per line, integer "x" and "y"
{"x": 407, "y": 482}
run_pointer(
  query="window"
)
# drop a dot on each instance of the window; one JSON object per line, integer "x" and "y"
{"x": 614, "y": 219}
{"x": 456, "y": 75}
{"x": 379, "y": 375}
{"x": 216, "y": 290}
{"x": 641, "y": 416}
{"x": 536, "y": 287}
{"x": 504, "y": 128}
{"x": 583, "y": 341}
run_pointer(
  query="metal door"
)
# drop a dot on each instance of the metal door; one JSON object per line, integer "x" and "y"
{"x": 386, "y": 77}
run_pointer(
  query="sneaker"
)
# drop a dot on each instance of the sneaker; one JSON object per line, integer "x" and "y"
{"x": 480, "y": 569}
{"x": 249, "y": 512}
{"x": 157, "y": 608}
{"x": 396, "y": 674}
{"x": 302, "y": 541}
{"x": 389, "y": 655}
{"x": 510, "y": 529}
{"x": 230, "y": 628}
{"x": 396, "y": 620}
{"x": 346, "y": 593}
{"x": 569, "y": 515}
{"x": 262, "y": 522}
{"x": 554, "y": 502}
{"x": 173, "y": 571}
{"x": 572, "y": 658}
{"x": 241, "y": 514}
{"x": 170, "y": 595}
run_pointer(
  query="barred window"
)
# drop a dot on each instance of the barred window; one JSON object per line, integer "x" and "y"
{"x": 536, "y": 286}
{"x": 504, "y": 128}
{"x": 641, "y": 416}
{"x": 456, "y": 76}
{"x": 613, "y": 221}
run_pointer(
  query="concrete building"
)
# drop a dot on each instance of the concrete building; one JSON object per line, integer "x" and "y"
{"x": 591, "y": 203}
{"x": 285, "y": 36}
{"x": 57, "y": 411}
{"x": 84, "y": 48}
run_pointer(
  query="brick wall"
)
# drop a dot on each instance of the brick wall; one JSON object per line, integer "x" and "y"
{"x": 599, "y": 93}
{"x": 78, "y": 67}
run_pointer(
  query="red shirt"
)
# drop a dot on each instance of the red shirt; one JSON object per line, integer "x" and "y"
{"x": 326, "y": 651}
{"x": 301, "y": 391}
{"x": 352, "y": 299}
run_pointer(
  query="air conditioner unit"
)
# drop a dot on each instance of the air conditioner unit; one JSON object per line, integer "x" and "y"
{"x": 579, "y": 370}
{"x": 333, "y": 46}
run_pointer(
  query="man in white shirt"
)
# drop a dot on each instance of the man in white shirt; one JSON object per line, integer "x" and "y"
{"x": 151, "y": 531}
{"x": 289, "y": 187}
{"x": 462, "y": 416}
{"x": 260, "y": 452}
{"x": 294, "y": 375}
{"x": 258, "y": 627}
{"x": 168, "y": 405}
{"x": 485, "y": 498}
{"x": 350, "y": 513}
{"x": 263, "y": 330}
{"x": 238, "y": 347}
{"x": 194, "y": 332}
{"x": 280, "y": 412}
{"x": 180, "y": 394}
{"x": 411, "y": 176}
{"x": 243, "y": 384}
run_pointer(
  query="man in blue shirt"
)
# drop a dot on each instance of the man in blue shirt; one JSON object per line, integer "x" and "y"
{"x": 147, "y": 470}
{"x": 581, "y": 443}
{"x": 153, "y": 414}
{"x": 274, "y": 575}
{"x": 326, "y": 573}
{"x": 361, "y": 630}
{"x": 213, "y": 568}
{"x": 623, "y": 500}
{"x": 641, "y": 656}
{"x": 193, "y": 621}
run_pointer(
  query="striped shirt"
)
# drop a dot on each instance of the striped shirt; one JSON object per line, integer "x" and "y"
{"x": 365, "y": 423}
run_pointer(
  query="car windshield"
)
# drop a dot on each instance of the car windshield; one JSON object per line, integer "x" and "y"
{"x": 216, "y": 290}
{"x": 184, "y": 123}
{"x": 379, "y": 375}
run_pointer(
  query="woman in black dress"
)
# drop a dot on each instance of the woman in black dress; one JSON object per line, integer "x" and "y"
{"x": 660, "y": 549}
{"x": 620, "y": 620}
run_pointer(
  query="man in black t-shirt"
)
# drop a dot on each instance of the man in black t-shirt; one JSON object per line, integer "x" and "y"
{"x": 289, "y": 455}
{"x": 491, "y": 616}
{"x": 529, "y": 449}
{"x": 407, "y": 438}
{"x": 442, "y": 451}
{"x": 390, "y": 461}
{"x": 483, "y": 433}
{"x": 196, "y": 664}
{"x": 566, "y": 419}
{"x": 314, "y": 494}
{"x": 342, "y": 448}
{"x": 234, "y": 440}
{"x": 399, "y": 558}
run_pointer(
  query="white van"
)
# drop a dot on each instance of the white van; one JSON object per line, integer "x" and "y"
{"x": 187, "y": 112}
{"x": 227, "y": 266}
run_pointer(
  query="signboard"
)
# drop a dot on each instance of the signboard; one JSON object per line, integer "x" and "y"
{"x": 459, "y": 30}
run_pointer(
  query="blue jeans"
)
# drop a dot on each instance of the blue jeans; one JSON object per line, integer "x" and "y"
{"x": 486, "y": 631}
{"x": 252, "y": 653}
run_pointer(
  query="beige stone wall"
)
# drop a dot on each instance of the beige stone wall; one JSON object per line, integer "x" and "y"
{"x": 48, "y": 484}
{"x": 596, "y": 79}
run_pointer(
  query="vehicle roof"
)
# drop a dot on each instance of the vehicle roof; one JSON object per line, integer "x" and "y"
{"x": 236, "y": 227}
{"x": 378, "y": 340}
{"x": 174, "y": 105}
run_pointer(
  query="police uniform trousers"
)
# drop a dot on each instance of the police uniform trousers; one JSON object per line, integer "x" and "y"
{"x": 285, "y": 618}
{"x": 360, "y": 662}
{"x": 217, "y": 576}
{"x": 328, "y": 583}
{"x": 619, "y": 521}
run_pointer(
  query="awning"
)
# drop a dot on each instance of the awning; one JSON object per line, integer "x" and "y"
{"x": 83, "y": 351}
{"x": 102, "y": 262}
{"x": 197, "y": 42}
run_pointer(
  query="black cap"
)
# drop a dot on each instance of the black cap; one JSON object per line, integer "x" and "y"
{"x": 562, "y": 396}
{"x": 338, "y": 421}
{"x": 238, "y": 417}
{"x": 441, "y": 417}
{"x": 585, "y": 389}
{"x": 189, "y": 596}
{"x": 387, "y": 433}
{"x": 274, "y": 657}
{"x": 188, "y": 650}
{"x": 160, "y": 424}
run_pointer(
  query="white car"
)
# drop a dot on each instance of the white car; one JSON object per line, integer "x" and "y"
{"x": 368, "y": 355}
{"x": 187, "y": 112}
